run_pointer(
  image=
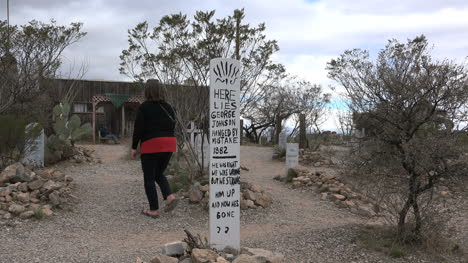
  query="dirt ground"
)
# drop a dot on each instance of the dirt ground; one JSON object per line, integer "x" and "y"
{"x": 106, "y": 224}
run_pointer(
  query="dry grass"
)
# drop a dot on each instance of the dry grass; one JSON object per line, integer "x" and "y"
{"x": 384, "y": 239}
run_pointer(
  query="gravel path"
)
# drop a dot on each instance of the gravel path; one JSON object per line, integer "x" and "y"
{"x": 106, "y": 225}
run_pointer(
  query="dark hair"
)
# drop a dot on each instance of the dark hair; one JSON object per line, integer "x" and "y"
{"x": 155, "y": 91}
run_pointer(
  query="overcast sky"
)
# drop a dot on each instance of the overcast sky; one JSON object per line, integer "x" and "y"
{"x": 310, "y": 33}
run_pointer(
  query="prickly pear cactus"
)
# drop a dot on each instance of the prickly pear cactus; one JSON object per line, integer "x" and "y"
{"x": 69, "y": 129}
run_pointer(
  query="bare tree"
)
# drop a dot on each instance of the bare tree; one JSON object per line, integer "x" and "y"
{"x": 287, "y": 98}
{"x": 410, "y": 105}
{"x": 27, "y": 54}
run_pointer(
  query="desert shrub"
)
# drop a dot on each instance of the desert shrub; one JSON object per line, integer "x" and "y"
{"x": 38, "y": 214}
{"x": 291, "y": 175}
{"x": 13, "y": 138}
{"x": 180, "y": 179}
{"x": 281, "y": 152}
{"x": 57, "y": 149}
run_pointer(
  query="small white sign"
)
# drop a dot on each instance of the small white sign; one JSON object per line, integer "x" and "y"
{"x": 34, "y": 150}
{"x": 292, "y": 155}
{"x": 283, "y": 139}
{"x": 225, "y": 153}
{"x": 202, "y": 147}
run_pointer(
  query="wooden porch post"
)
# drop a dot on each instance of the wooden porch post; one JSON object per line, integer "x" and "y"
{"x": 122, "y": 132}
{"x": 94, "y": 121}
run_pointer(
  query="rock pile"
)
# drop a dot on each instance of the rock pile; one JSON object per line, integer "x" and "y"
{"x": 316, "y": 159}
{"x": 252, "y": 196}
{"x": 177, "y": 252}
{"x": 307, "y": 157}
{"x": 83, "y": 155}
{"x": 331, "y": 188}
{"x": 25, "y": 193}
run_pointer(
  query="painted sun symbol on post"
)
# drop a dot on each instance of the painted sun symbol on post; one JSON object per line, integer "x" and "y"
{"x": 226, "y": 72}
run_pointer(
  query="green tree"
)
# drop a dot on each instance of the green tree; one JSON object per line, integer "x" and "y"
{"x": 178, "y": 51}
{"x": 402, "y": 99}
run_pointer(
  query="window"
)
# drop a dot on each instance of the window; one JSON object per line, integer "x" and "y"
{"x": 80, "y": 107}
{"x": 100, "y": 110}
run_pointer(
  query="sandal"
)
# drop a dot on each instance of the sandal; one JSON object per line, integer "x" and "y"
{"x": 169, "y": 207}
{"x": 146, "y": 213}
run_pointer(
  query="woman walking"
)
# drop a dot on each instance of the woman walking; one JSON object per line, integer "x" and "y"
{"x": 154, "y": 130}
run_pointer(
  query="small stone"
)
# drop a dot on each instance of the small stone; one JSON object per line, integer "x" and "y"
{"x": 334, "y": 190}
{"x": 195, "y": 195}
{"x": 34, "y": 207}
{"x": 244, "y": 205}
{"x": 444, "y": 193}
{"x": 230, "y": 257}
{"x": 341, "y": 204}
{"x": 54, "y": 198}
{"x": 138, "y": 260}
{"x": 23, "y": 197}
{"x": 264, "y": 200}
{"x": 231, "y": 250}
{"x": 323, "y": 188}
{"x": 186, "y": 260}
{"x": 68, "y": 178}
{"x": 51, "y": 186}
{"x": 221, "y": 260}
{"x": 365, "y": 210}
{"x": 7, "y": 216}
{"x": 249, "y": 195}
{"x": 58, "y": 175}
{"x": 244, "y": 258}
{"x": 204, "y": 188}
{"x": 23, "y": 187}
{"x": 14, "y": 173}
{"x": 14, "y": 187}
{"x": 47, "y": 211}
{"x": 4, "y": 191}
{"x": 16, "y": 209}
{"x": 263, "y": 255}
{"x": 337, "y": 197}
{"x": 323, "y": 196}
{"x": 296, "y": 184}
{"x": 36, "y": 184}
{"x": 164, "y": 259}
{"x": 27, "y": 214}
{"x": 203, "y": 255}
{"x": 250, "y": 204}
{"x": 349, "y": 203}
{"x": 8, "y": 198}
{"x": 326, "y": 178}
{"x": 174, "y": 249}
{"x": 255, "y": 188}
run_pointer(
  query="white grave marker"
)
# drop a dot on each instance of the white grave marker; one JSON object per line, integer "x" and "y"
{"x": 202, "y": 149}
{"x": 34, "y": 150}
{"x": 282, "y": 140}
{"x": 225, "y": 153}
{"x": 292, "y": 155}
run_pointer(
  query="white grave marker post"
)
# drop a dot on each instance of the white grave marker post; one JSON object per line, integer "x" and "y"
{"x": 292, "y": 155}
{"x": 282, "y": 140}
{"x": 205, "y": 149}
{"x": 224, "y": 153}
{"x": 34, "y": 150}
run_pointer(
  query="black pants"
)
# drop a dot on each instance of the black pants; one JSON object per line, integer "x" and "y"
{"x": 153, "y": 169}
